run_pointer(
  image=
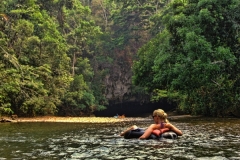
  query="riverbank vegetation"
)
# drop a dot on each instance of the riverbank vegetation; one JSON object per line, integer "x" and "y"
{"x": 195, "y": 58}
{"x": 55, "y": 54}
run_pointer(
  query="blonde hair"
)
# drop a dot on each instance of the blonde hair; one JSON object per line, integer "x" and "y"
{"x": 161, "y": 114}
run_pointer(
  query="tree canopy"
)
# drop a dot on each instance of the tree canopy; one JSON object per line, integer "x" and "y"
{"x": 39, "y": 43}
{"x": 55, "y": 55}
{"x": 194, "y": 59}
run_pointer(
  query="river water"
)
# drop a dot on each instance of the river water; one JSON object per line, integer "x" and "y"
{"x": 203, "y": 139}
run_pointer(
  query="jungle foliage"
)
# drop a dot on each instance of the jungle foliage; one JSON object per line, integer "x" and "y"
{"x": 44, "y": 64}
{"x": 194, "y": 60}
{"x": 55, "y": 54}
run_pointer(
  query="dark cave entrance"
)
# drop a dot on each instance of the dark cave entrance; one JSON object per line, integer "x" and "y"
{"x": 135, "y": 109}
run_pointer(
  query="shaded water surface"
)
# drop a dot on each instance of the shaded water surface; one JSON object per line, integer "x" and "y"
{"x": 203, "y": 139}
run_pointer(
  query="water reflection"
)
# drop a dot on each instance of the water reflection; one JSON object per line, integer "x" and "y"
{"x": 203, "y": 139}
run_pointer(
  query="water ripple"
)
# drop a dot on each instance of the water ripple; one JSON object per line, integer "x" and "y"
{"x": 203, "y": 139}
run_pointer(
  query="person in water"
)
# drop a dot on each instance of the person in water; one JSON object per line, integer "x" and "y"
{"x": 161, "y": 125}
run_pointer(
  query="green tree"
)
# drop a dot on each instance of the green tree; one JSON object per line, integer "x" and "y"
{"x": 36, "y": 52}
{"x": 80, "y": 33}
{"x": 198, "y": 60}
{"x": 80, "y": 99}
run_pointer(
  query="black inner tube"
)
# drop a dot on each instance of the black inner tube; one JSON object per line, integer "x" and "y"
{"x": 139, "y": 132}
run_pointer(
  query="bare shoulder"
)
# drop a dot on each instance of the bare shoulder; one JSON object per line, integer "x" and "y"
{"x": 154, "y": 126}
{"x": 173, "y": 128}
{"x": 169, "y": 125}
